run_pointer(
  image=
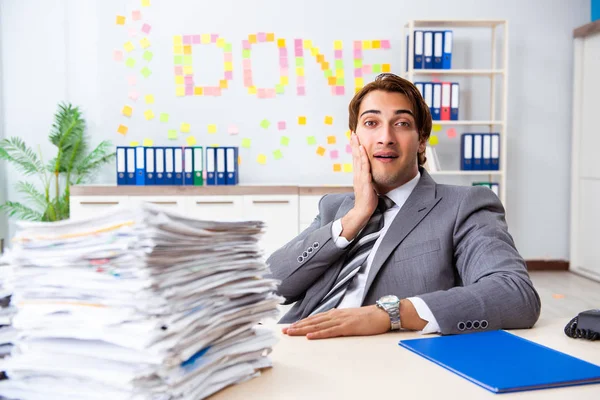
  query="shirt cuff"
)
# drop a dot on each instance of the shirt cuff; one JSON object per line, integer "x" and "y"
{"x": 426, "y": 314}
{"x": 336, "y": 229}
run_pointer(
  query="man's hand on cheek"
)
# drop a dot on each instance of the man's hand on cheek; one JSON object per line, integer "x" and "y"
{"x": 363, "y": 321}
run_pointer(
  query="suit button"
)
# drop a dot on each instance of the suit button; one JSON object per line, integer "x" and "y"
{"x": 310, "y": 249}
{"x": 476, "y": 324}
{"x": 305, "y": 254}
{"x": 316, "y": 245}
{"x": 469, "y": 325}
{"x": 461, "y": 326}
{"x": 484, "y": 324}
{"x": 300, "y": 259}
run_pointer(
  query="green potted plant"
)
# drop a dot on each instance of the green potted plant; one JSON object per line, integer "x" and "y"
{"x": 72, "y": 165}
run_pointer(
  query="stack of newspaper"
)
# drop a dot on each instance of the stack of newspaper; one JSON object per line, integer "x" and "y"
{"x": 137, "y": 303}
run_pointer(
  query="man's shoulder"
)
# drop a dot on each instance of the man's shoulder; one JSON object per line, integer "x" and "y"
{"x": 471, "y": 194}
{"x": 334, "y": 200}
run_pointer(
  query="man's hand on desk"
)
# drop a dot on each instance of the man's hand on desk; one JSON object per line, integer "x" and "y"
{"x": 363, "y": 321}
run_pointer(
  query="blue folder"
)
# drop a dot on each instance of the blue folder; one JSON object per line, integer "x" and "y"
{"x": 502, "y": 362}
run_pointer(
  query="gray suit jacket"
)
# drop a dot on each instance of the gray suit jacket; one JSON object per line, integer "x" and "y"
{"x": 448, "y": 245}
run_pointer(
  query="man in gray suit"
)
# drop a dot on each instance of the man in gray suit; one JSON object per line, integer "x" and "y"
{"x": 402, "y": 252}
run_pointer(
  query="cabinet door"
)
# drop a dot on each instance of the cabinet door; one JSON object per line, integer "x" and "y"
{"x": 308, "y": 210}
{"x": 176, "y": 203}
{"x": 215, "y": 208}
{"x": 87, "y": 206}
{"x": 280, "y": 214}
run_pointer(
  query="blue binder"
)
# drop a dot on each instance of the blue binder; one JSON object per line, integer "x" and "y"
{"x": 419, "y": 86}
{"x": 428, "y": 49}
{"x": 438, "y": 49}
{"x": 159, "y": 163}
{"x": 417, "y": 50}
{"x": 188, "y": 166}
{"x": 428, "y": 97}
{"x": 140, "y": 166}
{"x": 454, "y": 101}
{"x": 178, "y": 163}
{"x": 502, "y": 362}
{"x": 477, "y": 152}
{"x": 447, "y": 53}
{"x": 130, "y": 175}
{"x": 211, "y": 176}
{"x": 220, "y": 161}
{"x": 169, "y": 166}
{"x": 150, "y": 166}
{"x": 121, "y": 166}
{"x": 437, "y": 101}
{"x": 466, "y": 152}
{"x": 495, "y": 152}
{"x": 486, "y": 158}
{"x": 231, "y": 166}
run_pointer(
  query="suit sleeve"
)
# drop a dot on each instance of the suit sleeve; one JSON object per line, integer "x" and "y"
{"x": 299, "y": 263}
{"x": 496, "y": 287}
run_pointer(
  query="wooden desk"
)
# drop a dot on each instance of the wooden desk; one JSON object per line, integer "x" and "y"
{"x": 375, "y": 367}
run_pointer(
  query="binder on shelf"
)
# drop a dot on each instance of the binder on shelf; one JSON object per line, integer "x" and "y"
{"x": 466, "y": 151}
{"x": 438, "y": 49}
{"x": 477, "y": 152}
{"x": 418, "y": 50}
{"x": 487, "y": 152}
{"x": 428, "y": 50}
{"x": 428, "y": 87}
{"x": 169, "y": 166}
{"x": 447, "y": 53}
{"x": 159, "y": 162}
{"x": 454, "y": 101}
{"x": 495, "y": 152}
{"x": 150, "y": 166}
{"x": 437, "y": 101}
{"x": 121, "y": 166}
{"x": 178, "y": 165}
{"x": 198, "y": 166}
{"x": 130, "y": 176}
{"x": 231, "y": 166}
{"x": 188, "y": 166}
{"x": 220, "y": 160}
{"x": 419, "y": 86}
{"x": 211, "y": 176}
{"x": 140, "y": 166}
{"x": 446, "y": 95}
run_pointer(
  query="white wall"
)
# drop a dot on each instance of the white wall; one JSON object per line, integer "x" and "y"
{"x": 3, "y": 220}
{"x": 66, "y": 54}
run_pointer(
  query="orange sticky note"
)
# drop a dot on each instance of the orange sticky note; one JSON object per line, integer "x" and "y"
{"x": 386, "y": 67}
{"x": 301, "y": 120}
{"x": 191, "y": 140}
{"x": 122, "y": 129}
{"x": 127, "y": 110}
{"x": 185, "y": 127}
{"x": 280, "y": 42}
{"x": 120, "y": 20}
{"x": 148, "y": 142}
{"x": 223, "y": 83}
{"x": 252, "y": 38}
{"x": 321, "y": 151}
{"x": 328, "y": 120}
{"x": 187, "y": 49}
{"x": 433, "y": 140}
{"x": 331, "y": 140}
{"x": 347, "y": 167}
{"x": 270, "y": 37}
{"x": 261, "y": 159}
{"x": 337, "y": 167}
{"x": 198, "y": 91}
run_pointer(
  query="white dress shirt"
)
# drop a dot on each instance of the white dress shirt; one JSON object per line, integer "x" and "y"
{"x": 354, "y": 293}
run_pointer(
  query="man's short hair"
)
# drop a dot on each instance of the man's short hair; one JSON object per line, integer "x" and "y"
{"x": 392, "y": 83}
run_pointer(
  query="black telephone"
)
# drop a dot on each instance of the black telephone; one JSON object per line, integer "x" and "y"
{"x": 586, "y": 325}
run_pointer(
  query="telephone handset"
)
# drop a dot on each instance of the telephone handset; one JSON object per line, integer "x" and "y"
{"x": 586, "y": 325}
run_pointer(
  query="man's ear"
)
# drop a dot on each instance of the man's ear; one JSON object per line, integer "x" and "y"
{"x": 422, "y": 145}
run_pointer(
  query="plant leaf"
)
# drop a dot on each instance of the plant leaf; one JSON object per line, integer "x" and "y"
{"x": 16, "y": 151}
{"x": 32, "y": 193}
{"x": 18, "y": 210}
{"x": 101, "y": 155}
{"x": 68, "y": 130}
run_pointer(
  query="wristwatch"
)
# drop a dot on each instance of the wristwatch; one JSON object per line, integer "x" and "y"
{"x": 391, "y": 305}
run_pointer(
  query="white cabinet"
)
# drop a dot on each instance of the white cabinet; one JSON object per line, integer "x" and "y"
{"x": 176, "y": 203}
{"x": 218, "y": 208}
{"x": 87, "y": 206}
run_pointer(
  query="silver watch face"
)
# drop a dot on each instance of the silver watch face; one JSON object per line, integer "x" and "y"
{"x": 389, "y": 300}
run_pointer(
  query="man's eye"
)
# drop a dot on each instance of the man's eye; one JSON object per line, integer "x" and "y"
{"x": 404, "y": 123}
{"x": 369, "y": 123}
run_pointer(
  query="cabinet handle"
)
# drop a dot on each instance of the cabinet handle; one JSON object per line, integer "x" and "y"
{"x": 270, "y": 201}
{"x": 163, "y": 202}
{"x": 99, "y": 203}
{"x": 214, "y": 202}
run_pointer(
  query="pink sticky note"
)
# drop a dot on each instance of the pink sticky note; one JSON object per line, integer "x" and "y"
{"x": 358, "y": 72}
{"x": 196, "y": 39}
{"x": 281, "y": 125}
{"x": 333, "y": 90}
{"x": 338, "y": 54}
{"x": 339, "y": 90}
{"x": 357, "y": 45}
{"x": 131, "y": 80}
{"x": 132, "y": 32}
{"x": 283, "y": 62}
{"x": 214, "y": 37}
{"x": 333, "y": 154}
{"x": 262, "y": 37}
{"x": 229, "y": 75}
{"x": 297, "y": 43}
{"x": 271, "y": 93}
{"x": 216, "y": 91}
{"x": 179, "y": 70}
{"x": 118, "y": 55}
{"x": 246, "y": 45}
{"x": 262, "y": 93}
{"x": 451, "y": 133}
{"x": 283, "y": 52}
{"x": 133, "y": 95}
{"x": 358, "y": 54}
{"x": 385, "y": 44}
{"x": 300, "y": 91}
{"x": 187, "y": 39}
{"x": 348, "y": 149}
{"x": 228, "y": 57}
{"x": 298, "y": 52}
{"x": 247, "y": 63}
{"x": 189, "y": 80}
{"x": 366, "y": 69}
{"x": 189, "y": 90}
{"x": 233, "y": 130}
{"x": 283, "y": 71}
{"x": 146, "y": 28}
{"x": 301, "y": 81}
{"x": 136, "y": 15}
{"x": 248, "y": 81}
{"x": 435, "y": 79}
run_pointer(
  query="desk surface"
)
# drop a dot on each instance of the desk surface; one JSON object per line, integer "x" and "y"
{"x": 376, "y": 367}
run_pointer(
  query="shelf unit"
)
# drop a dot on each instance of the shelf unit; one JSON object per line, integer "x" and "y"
{"x": 498, "y": 69}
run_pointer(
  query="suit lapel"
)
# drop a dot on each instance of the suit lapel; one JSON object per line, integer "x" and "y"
{"x": 421, "y": 201}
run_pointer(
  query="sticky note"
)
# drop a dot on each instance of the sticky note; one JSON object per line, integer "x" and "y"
{"x": 134, "y": 144}
{"x": 281, "y": 43}
{"x": 212, "y": 128}
{"x": 433, "y": 140}
{"x": 146, "y": 72}
{"x": 136, "y": 15}
{"x": 279, "y": 89}
{"x": 301, "y": 120}
{"x": 277, "y": 154}
{"x": 128, "y": 46}
{"x": 233, "y": 130}
{"x": 223, "y": 84}
{"x": 122, "y": 129}
{"x": 451, "y": 133}
{"x": 133, "y": 95}
{"x": 337, "y": 45}
{"x": 120, "y": 20}
{"x": 246, "y": 143}
{"x": 180, "y": 91}
{"x": 148, "y": 142}
{"x": 118, "y": 55}
{"x": 321, "y": 150}
{"x": 386, "y": 67}
{"x": 184, "y": 127}
{"x": 148, "y": 55}
{"x": 337, "y": 167}
{"x": 127, "y": 110}
{"x": 385, "y": 44}
{"x": 348, "y": 134}
{"x": 347, "y": 167}
{"x": 148, "y": 114}
{"x": 265, "y": 124}
{"x": 191, "y": 140}
{"x": 436, "y": 127}
{"x": 149, "y": 99}
{"x": 311, "y": 140}
{"x": 328, "y": 120}
{"x": 284, "y": 141}
{"x": 261, "y": 159}
{"x": 214, "y": 145}
{"x": 331, "y": 140}
{"x": 145, "y": 3}
{"x": 308, "y": 44}
{"x": 146, "y": 28}
{"x": 333, "y": 154}
{"x": 177, "y": 40}
{"x": 130, "y": 62}
{"x": 198, "y": 91}
{"x": 164, "y": 117}
{"x": 145, "y": 43}
{"x": 281, "y": 125}
{"x": 172, "y": 134}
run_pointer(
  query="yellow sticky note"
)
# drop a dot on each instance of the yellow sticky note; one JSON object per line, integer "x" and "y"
{"x": 145, "y": 3}
{"x": 148, "y": 114}
{"x": 149, "y": 98}
{"x": 198, "y": 91}
{"x": 246, "y": 143}
{"x": 228, "y": 66}
{"x": 191, "y": 140}
{"x": 148, "y": 142}
{"x": 299, "y": 71}
{"x": 386, "y": 67}
{"x": 348, "y": 134}
{"x": 261, "y": 159}
{"x": 436, "y": 127}
{"x": 122, "y": 129}
{"x": 220, "y": 43}
{"x": 134, "y": 144}
{"x": 314, "y": 51}
{"x": 205, "y": 38}
{"x": 376, "y": 44}
{"x": 284, "y": 80}
{"x": 337, "y": 167}
{"x": 433, "y": 140}
{"x": 185, "y": 127}
{"x": 252, "y": 90}
{"x": 347, "y": 167}
{"x": 145, "y": 43}
{"x": 177, "y": 40}
{"x": 127, "y": 110}
{"x": 359, "y": 82}
{"x": 337, "y": 45}
{"x": 307, "y": 44}
{"x": 179, "y": 80}
{"x": 120, "y": 20}
{"x": 214, "y": 145}
{"x": 128, "y": 46}
{"x": 178, "y": 49}
{"x": 301, "y": 120}
{"x": 187, "y": 69}
{"x": 270, "y": 37}
{"x": 321, "y": 151}
{"x": 280, "y": 42}
{"x": 328, "y": 120}
{"x": 212, "y": 128}
{"x": 367, "y": 45}
{"x": 180, "y": 91}
{"x": 223, "y": 84}
{"x": 331, "y": 140}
